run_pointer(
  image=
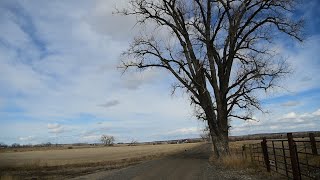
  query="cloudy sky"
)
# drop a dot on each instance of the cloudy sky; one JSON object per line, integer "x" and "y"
{"x": 59, "y": 80}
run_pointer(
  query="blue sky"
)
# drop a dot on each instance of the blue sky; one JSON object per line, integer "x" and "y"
{"x": 59, "y": 80}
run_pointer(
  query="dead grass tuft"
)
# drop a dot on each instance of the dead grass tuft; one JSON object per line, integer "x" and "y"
{"x": 235, "y": 162}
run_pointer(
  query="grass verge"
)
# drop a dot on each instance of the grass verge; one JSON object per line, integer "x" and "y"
{"x": 38, "y": 170}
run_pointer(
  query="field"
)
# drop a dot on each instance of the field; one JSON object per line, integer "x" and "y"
{"x": 87, "y": 155}
{"x": 62, "y": 162}
{"x": 166, "y": 161}
{"x": 82, "y": 160}
{"x": 30, "y": 158}
{"x": 69, "y": 162}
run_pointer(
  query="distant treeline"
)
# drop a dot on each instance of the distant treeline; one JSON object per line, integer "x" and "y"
{"x": 273, "y": 136}
{"x": 17, "y": 145}
{"x": 133, "y": 143}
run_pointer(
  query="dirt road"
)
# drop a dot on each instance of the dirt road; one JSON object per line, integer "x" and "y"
{"x": 191, "y": 164}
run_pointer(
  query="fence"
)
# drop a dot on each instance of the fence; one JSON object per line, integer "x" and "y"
{"x": 295, "y": 159}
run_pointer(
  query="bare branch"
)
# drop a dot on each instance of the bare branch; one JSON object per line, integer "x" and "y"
{"x": 219, "y": 51}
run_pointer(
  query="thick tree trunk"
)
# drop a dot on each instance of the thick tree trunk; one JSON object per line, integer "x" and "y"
{"x": 218, "y": 125}
{"x": 220, "y": 144}
{"x": 220, "y": 140}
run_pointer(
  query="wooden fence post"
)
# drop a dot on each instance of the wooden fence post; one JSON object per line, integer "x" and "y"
{"x": 265, "y": 153}
{"x": 293, "y": 157}
{"x": 250, "y": 149}
{"x": 313, "y": 144}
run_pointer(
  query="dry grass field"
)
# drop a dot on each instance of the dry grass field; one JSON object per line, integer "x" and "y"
{"x": 64, "y": 163}
{"x": 80, "y": 156}
{"x": 69, "y": 163}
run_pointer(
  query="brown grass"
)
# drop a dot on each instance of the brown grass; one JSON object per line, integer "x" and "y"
{"x": 68, "y": 163}
{"x": 87, "y": 155}
{"x": 238, "y": 144}
{"x": 235, "y": 162}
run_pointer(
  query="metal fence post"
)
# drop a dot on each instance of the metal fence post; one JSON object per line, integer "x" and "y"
{"x": 313, "y": 144}
{"x": 265, "y": 153}
{"x": 293, "y": 157}
{"x": 250, "y": 149}
{"x": 244, "y": 151}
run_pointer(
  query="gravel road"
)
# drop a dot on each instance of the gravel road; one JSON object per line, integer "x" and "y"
{"x": 191, "y": 164}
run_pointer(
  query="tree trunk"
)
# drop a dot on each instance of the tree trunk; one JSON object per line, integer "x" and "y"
{"x": 218, "y": 126}
{"x": 220, "y": 140}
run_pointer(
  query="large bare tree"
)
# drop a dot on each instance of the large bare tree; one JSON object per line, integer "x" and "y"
{"x": 220, "y": 51}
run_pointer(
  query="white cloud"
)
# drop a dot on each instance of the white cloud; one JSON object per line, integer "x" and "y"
{"x": 56, "y": 128}
{"x": 316, "y": 113}
{"x": 291, "y": 121}
{"x": 180, "y": 131}
{"x": 187, "y": 131}
{"x": 27, "y": 139}
{"x": 90, "y": 138}
{"x": 57, "y": 131}
{"x": 290, "y": 115}
{"x": 133, "y": 80}
{"x": 304, "y": 66}
{"x": 103, "y": 20}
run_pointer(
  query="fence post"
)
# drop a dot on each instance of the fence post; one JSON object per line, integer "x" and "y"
{"x": 313, "y": 144}
{"x": 293, "y": 157}
{"x": 265, "y": 153}
{"x": 250, "y": 149}
{"x": 244, "y": 151}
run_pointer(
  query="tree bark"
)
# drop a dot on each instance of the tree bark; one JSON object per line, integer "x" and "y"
{"x": 217, "y": 122}
{"x": 219, "y": 140}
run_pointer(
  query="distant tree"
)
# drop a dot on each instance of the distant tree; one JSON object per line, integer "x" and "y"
{"x": 14, "y": 145}
{"x": 220, "y": 51}
{"x": 133, "y": 142}
{"x": 48, "y": 144}
{"x": 3, "y": 145}
{"x": 29, "y": 145}
{"x": 205, "y": 135}
{"x": 107, "y": 140}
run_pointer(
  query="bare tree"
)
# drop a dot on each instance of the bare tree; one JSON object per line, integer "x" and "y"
{"x": 107, "y": 140}
{"x": 219, "y": 51}
{"x": 133, "y": 142}
{"x": 15, "y": 145}
{"x": 205, "y": 136}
